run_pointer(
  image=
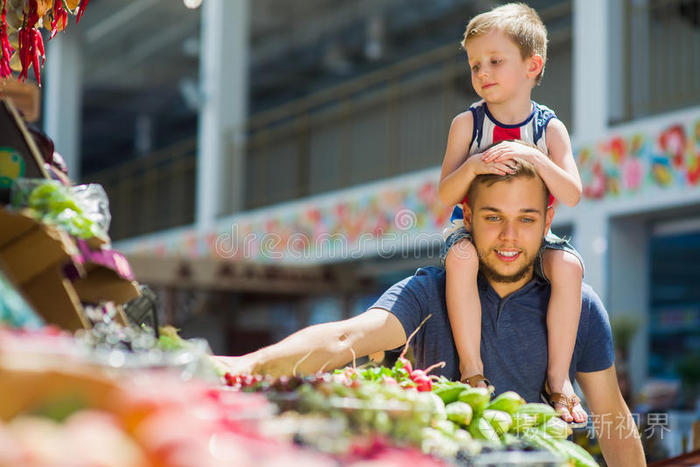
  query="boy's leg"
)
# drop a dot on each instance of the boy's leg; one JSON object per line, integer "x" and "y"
{"x": 464, "y": 306}
{"x": 565, "y": 273}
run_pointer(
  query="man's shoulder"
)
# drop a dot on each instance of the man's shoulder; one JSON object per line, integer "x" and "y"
{"x": 430, "y": 278}
{"x": 589, "y": 297}
{"x": 430, "y": 271}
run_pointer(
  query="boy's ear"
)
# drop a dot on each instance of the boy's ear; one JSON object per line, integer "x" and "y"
{"x": 535, "y": 65}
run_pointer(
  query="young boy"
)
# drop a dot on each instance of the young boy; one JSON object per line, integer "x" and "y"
{"x": 507, "y": 49}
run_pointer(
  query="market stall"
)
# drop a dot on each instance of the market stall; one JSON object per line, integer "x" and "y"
{"x": 86, "y": 377}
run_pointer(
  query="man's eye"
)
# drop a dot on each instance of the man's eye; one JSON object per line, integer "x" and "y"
{"x": 528, "y": 220}
{"x": 493, "y": 218}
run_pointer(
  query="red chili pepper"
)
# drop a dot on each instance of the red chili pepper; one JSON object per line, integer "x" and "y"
{"x": 81, "y": 9}
{"x": 38, "y": 54}
{"x": 6, "y": 48}
{"x": 31, "y": 44}
{"x": 60, "y": 15}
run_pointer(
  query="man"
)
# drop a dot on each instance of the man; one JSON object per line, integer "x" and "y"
{"x": 506, "y": 213}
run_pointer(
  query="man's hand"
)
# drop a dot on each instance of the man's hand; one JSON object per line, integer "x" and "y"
{"x": 322, "y": 347}
{"x": 479, "y": 166}
{"x": 508, "y": 150}
{"x": 243, "y": 365}
{"x": 614, "y": 425}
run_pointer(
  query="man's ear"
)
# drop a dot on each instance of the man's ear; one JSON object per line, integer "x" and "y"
{"x": 467, "y": 211}
{"x": 548, "y": 217}
{"x": 535, "y": 65}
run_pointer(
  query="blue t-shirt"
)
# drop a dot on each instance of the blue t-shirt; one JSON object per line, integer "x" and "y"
{"x": 513, "y": 331}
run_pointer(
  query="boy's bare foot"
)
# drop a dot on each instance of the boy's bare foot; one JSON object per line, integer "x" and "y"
{"x": 566, "y": 402}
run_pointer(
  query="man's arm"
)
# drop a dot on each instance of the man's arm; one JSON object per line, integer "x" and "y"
{"x": 616, "y": 430}
{"x": 323, "y": 346}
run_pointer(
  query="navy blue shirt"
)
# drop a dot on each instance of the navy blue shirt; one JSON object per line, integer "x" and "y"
{"x": 513, "y": 331}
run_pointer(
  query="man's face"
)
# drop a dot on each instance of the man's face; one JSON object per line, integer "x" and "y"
{"x": 508, "y": 222}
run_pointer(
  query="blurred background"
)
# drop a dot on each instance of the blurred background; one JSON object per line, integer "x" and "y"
{"x": 272, "y": 164}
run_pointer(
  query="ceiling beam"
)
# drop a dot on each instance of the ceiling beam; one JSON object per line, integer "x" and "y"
{"x": 117, "y": 20}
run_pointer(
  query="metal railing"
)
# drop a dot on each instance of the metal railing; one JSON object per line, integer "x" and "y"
{"x": 153, "y": 193}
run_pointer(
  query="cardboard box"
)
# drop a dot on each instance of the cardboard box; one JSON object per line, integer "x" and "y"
{"x": 32, "y": 256}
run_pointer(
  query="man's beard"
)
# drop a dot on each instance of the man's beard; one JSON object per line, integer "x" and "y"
{"x": 493, "y": 276}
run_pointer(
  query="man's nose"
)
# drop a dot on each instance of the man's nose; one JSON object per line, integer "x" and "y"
{"x": 509, "y": 231}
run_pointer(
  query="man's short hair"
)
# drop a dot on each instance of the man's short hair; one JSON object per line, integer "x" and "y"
{"x": 522, "y": 169}
{"x": 520, "y": 23}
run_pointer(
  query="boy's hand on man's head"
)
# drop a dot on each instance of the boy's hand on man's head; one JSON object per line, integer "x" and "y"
{"x": 481, "y": 167}
{"x": 509, "y": 150}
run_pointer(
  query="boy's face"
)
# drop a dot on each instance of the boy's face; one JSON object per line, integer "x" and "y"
{"x": 499, "y": 73}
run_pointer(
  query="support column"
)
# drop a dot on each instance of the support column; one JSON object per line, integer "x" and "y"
{"x": 590, "y": 69}
{"x": 223, "y": 75}
{"x": 62, "y": 95}
{"x": 628, "y": 294}
{"x": 591, "y": 240}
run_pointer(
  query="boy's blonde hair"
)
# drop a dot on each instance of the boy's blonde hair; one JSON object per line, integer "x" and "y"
{"x": 520, "y": 23}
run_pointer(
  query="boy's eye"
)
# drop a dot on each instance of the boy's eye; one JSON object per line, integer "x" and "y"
{"x": 475, "y": 68}
{"x": 495, "y": 61}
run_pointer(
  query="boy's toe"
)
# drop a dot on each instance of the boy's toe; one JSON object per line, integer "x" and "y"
{"x": 564, "y": 413}
{"x": 579, "y": 415}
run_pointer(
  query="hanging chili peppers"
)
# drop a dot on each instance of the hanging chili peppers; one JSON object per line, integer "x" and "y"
{"x": 20, "y": 21}
{"x": 81, "y": 9}
{"x": 6, "y": 48}
{"x": 60, "y": 16}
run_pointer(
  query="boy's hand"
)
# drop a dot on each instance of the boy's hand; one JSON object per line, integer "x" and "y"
{"x": 507, "y": 150}
{"x": 479, "y": 166}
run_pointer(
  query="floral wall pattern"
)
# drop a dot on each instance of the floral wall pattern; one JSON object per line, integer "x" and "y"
{"x": 364, "y": 221}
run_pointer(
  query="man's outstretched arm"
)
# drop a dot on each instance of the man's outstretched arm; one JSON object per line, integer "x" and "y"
{"x": 615, "y": 428}
{"x": 323, "y": 346}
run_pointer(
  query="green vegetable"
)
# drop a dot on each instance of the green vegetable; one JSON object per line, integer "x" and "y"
{"x": 480, "y": 428}
{"x": 449, "y": 392}
{"x": 576, "y": 453}
{"x": 541, "y": 412}
{"x": 556, "y": 428}
{"x": 509, "y": 402}
{"x": 459, "y": 412}
{"x": 500, "y": 420}
{"x": 476, "y": 397}
{"x": 522, "y": 421}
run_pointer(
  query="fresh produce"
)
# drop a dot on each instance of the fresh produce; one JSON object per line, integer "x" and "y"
{"x": 53, "y": 203}
{"x": 476, "y": 397}
{"x": 557, "y": 428}
{"x": 508, "y": 402}
{"x": 500, "y": 420}
{"x": 541, "y": 412}
{"x": 443, "y": 418}
{"x": 481, "y": 428}
{"x": 522, "y": 421}
{"x": 459, "y": 412}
